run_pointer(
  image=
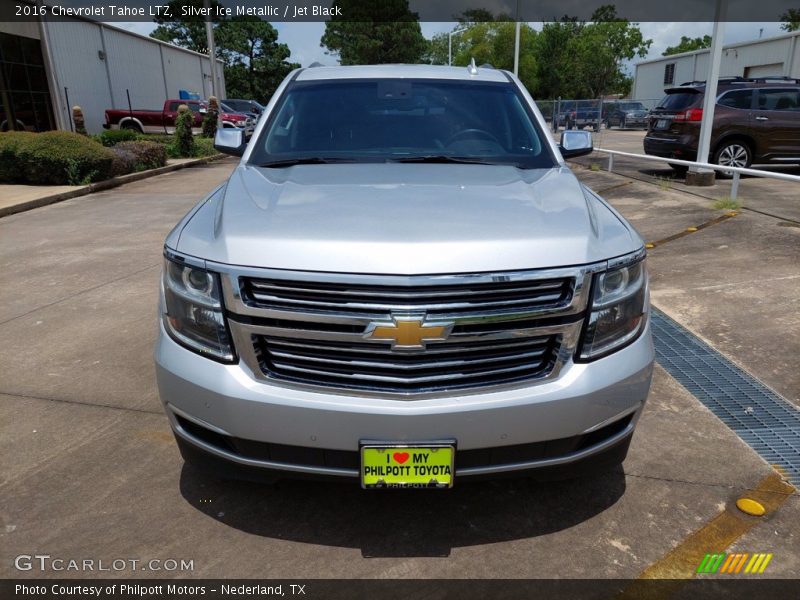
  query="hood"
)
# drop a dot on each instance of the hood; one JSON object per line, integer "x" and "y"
{"x": 404, "y": 219}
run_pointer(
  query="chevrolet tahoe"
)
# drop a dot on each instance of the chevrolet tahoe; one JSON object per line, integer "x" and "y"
{"x": 402, "y": 284}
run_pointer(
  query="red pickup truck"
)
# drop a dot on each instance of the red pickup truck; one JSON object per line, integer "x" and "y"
{"x": 163, "y": 121}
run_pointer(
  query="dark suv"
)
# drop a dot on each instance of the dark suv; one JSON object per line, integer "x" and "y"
{"x": 624, "y": 114}
{"x": 755, "y": 120}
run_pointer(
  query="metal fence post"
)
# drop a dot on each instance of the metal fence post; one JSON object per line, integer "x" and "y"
{"x": 735, "y": 185}
{"x": 610, "y": 162}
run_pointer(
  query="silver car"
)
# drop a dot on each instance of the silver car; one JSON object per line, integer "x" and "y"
{"x": 402, "y": 284}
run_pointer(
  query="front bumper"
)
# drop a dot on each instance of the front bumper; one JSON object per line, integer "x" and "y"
{"x": 222, "y": 413}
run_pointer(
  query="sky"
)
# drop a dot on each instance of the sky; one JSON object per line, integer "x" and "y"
{"x": 303, "y": 38}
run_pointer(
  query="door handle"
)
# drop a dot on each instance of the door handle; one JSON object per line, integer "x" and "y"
{"x": 762, "y": 118}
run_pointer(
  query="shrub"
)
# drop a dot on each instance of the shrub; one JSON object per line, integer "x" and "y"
{"x": 10, "y": 170}
{"x": 124, "y": 162}
{"x": 158, "y": 138}
{"x": 202, "y": 147}
{"x": 211, "y": 118}
{"x": 59, "y": 157}
{"x": 77, "y": 118}
{"x": 149, "y": 155}
{"x": 205, "y": 147}
{"x": 184, "y": 139}
{"x": 112, "y": 137}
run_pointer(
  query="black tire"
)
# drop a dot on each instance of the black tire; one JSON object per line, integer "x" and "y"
{"x": 132, "y": 126}
{"x": 732, "y": 153}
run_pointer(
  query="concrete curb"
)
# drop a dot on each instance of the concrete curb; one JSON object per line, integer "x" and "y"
{"x": 103, "y": 185}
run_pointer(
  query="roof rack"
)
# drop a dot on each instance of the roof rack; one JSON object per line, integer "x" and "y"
{"x": 738, "y": 79}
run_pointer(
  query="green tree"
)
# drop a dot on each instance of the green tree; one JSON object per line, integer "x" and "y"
{"x": 791, "y": 20}
{"x": 374, "y": 33}
{"x": 491, "y": 43}
{"x": 186, "y": 32}
{"x": 557, "y": 73}
{"x": 601, "y": 49}
{"x": 688, "y": 44}
{"x": 254, "y": 61}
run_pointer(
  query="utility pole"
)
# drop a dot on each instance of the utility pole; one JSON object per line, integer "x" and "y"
{"x": 696, "y": 175}
{"x": 212, "y": 49}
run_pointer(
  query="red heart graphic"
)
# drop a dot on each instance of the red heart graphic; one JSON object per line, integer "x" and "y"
{"x": 401, "y": 457}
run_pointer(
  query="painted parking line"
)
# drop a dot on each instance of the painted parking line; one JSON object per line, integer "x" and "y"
{"x": 708, "y": 543}
{"x": 690, "y": 230}
{"x": 683, "y": 561}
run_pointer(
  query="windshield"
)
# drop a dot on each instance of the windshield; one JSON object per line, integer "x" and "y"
{"x": 389, "y": 120}
{"x": 632, "y": 106}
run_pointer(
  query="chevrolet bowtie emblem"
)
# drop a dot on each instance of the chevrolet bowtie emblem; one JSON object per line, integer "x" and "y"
{"x": 408, "y": 333}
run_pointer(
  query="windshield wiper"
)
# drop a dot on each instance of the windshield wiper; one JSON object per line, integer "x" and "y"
{"x": 307, "y": 160}
{"x": 442, "y": 159}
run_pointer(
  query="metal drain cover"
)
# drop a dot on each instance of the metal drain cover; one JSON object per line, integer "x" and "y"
{"x": 761, "y": 417}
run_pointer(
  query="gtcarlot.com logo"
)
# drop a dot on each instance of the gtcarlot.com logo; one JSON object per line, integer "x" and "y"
{"x": 46, "y": 562}
{"x": 743, "y": 562}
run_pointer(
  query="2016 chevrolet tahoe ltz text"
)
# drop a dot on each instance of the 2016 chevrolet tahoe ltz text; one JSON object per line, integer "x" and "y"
{"x": 402, "y": 284}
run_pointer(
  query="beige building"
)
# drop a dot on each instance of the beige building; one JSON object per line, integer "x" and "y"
{"x": 777, "y": 56}
{"x": 48, "y": 66}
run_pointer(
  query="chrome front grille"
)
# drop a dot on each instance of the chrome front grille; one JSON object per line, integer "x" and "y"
{"x": 443, "y": 365}
{"x": 318, "y": 330}
{"x": 448, "y": 298}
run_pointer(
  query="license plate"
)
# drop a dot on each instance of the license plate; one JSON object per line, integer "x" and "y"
{"x": 662, "y": 123}
{"x": 413, "y": 465}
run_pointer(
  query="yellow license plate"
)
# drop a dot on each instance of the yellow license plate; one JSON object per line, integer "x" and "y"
{"x": 407, "y": 466}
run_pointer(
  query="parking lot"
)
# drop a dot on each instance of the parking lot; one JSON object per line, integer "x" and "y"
{"x": 90, "y": 468}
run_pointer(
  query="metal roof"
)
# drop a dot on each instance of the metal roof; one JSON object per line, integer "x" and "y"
{"x": 671, "y": 57}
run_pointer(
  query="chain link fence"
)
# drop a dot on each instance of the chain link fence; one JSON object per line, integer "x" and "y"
{"x": 597, "y": 113}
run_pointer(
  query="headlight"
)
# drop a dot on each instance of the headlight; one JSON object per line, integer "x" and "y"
{"x": 194, "y": 316}
{"x": 618, "y": 311}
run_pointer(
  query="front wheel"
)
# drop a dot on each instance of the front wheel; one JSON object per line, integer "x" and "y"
{"x": 732, "y": 154}
{"x": 131, "y": 126}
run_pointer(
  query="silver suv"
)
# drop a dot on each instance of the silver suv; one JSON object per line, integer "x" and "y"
{"x": 402, "y": 284}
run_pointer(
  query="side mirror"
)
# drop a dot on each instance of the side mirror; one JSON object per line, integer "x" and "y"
{"x": 575, "y": 143}
{"x": 230, "y": 141}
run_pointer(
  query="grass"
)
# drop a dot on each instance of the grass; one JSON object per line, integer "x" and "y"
{"x": 664, "y": 183}
{"x": 594, "y": 167}
{"x": 726, "y": 202}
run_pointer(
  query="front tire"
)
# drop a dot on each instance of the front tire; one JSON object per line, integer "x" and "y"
{"x": 734, "y": 153}
{"x": 132, "y": 126}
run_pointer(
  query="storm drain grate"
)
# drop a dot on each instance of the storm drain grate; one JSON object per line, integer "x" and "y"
{"x": 763, "y": 419}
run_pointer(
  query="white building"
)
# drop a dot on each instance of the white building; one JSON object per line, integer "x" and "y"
{"x": 46, "y": 67}
{"x": 774, "y": 56}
